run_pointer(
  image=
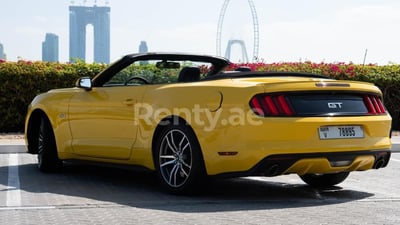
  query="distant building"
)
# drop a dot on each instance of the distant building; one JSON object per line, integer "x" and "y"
{"x": 50, "y": 48}
{"x": 2, "y": 54}
{"x": 143, "y": 47}
{"x": 79, "y": 18}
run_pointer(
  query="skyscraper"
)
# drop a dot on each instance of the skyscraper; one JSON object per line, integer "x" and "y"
{"x": 2, "y": 55}
{"x": 79, "y": 18}
{"x": 50, "y": 48}
{"x": 143, "y": 47}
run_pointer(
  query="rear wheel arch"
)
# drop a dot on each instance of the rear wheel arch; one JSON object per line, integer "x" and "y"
{"x": 167, "y": 121}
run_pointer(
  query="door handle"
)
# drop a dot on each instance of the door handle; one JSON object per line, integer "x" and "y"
{"x": 129, "y": 102}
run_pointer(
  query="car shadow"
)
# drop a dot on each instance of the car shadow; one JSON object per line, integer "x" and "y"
{"x": 105, "y": 185}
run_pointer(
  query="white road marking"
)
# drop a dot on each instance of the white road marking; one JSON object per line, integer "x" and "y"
{"x": 396, "y": 160}
{"x": 26, "y": 208}
{"x": 13, "y": 186}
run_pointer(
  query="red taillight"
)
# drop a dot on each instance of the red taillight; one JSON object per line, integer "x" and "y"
{"x": 256, "y": 106}
{"x": 374, "y": 105}
{"x": 284, "y": 104}
{"x": 380, "y": 105}
{"x": 271, "y": 105}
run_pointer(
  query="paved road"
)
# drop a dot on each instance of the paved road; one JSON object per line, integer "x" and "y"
{"x": 396, "y": 144}
{"x": 85, "y": 194}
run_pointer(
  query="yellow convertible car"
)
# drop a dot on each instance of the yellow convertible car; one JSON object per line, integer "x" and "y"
{"x": 185, "y": 117}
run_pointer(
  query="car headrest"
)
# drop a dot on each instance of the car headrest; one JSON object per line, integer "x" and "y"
{"x": 189, "y": 74}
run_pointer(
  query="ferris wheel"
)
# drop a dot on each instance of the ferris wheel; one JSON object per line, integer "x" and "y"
{"x": 256, "y": 32}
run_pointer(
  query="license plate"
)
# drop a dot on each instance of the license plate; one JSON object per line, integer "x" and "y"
{"x": 340, "y": 132}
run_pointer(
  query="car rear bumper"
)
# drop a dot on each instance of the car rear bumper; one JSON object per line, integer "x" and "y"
{"x": 240, "y": 148}
{"x": 312, "y": 163}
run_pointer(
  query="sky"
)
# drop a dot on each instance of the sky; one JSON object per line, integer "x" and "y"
{"x": 355, "y": 31}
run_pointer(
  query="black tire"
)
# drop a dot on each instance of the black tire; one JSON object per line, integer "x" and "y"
{"x": 178, "y": 160}
{"x": 324, "y": 180}
{"x": 48, "y": 160}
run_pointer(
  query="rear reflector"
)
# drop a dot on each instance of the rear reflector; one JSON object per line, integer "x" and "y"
{"x": 227, "y": 153}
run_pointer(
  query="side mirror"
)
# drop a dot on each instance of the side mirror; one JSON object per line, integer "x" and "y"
{"x": 85, "y": 83}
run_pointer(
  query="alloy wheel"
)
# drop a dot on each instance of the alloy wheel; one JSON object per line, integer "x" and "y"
{"x": 175, "y": 158}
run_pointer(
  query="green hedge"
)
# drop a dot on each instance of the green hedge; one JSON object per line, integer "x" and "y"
{"x": 21, "y": 81}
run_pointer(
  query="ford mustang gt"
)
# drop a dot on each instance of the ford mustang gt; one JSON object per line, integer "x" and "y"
{"x": 186, "y": 118}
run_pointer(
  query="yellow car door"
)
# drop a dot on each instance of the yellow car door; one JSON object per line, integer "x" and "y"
{"x": 102, "y": 121}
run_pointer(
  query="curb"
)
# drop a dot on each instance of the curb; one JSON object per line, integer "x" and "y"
{"x": 12, "y": 141}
